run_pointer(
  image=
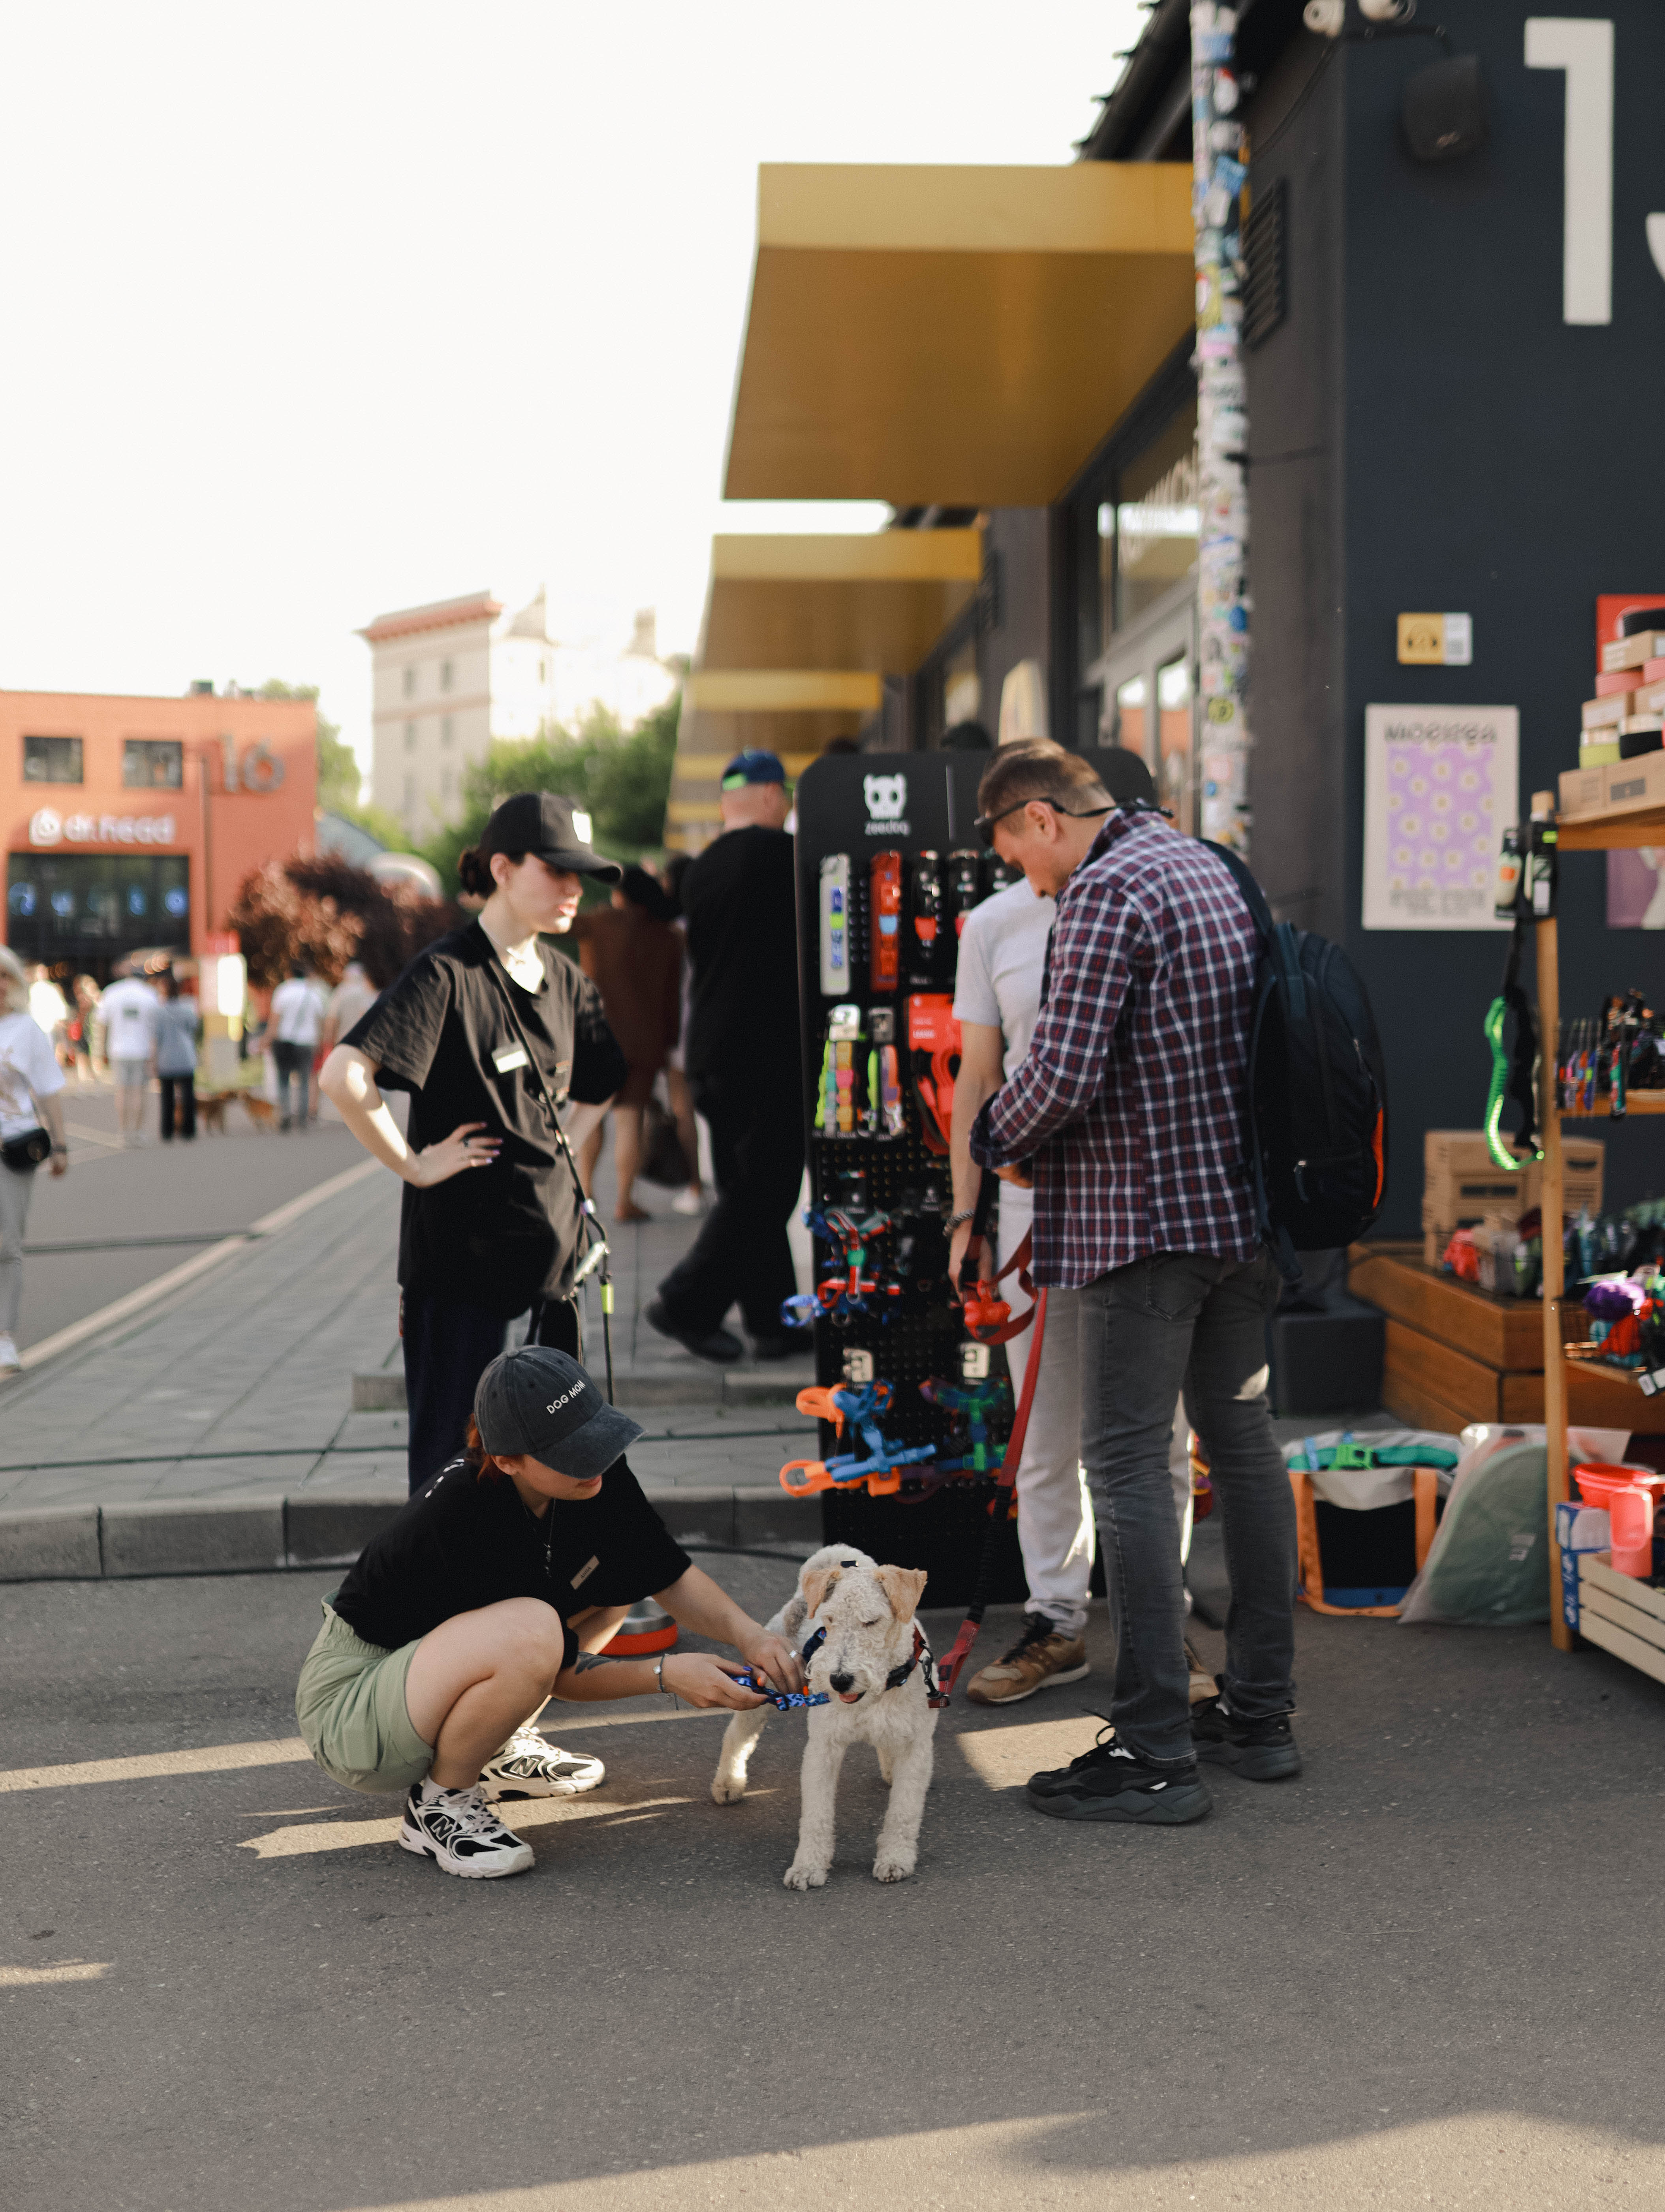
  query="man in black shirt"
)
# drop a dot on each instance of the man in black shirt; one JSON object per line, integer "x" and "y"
{"x": 501, "y": 1581}
{"x": 488, "y": 1031}
{"x": 744, "y": 1067}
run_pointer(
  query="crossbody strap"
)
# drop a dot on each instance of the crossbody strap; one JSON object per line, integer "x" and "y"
{"x": 596, "y": 1258}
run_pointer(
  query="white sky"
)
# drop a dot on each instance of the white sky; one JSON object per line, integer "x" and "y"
{"x": 314, "y": 311}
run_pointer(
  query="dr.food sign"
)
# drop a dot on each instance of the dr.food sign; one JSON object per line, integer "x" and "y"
{"x": 1441, "y": 785}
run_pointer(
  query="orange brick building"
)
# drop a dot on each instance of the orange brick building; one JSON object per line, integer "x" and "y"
{"x": 130, "y": 823}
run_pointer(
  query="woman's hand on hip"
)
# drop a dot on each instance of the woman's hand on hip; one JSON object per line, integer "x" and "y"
{"x": 699, "y": 1679}
{"x": 463, "y": 1148}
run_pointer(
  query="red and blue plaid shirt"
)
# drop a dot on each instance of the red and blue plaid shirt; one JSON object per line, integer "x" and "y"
{"x": 1130, "y": 1101}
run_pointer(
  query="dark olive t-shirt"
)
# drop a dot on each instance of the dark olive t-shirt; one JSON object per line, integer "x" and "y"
{"x": 462, "y": 1542}
{"x": 496, "y": 1237}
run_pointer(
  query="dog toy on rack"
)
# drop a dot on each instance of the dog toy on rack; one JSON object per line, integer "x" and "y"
{"x": 839, "y": 1297}
{"x": 971, "y": 1406}
{"x": 879, "y": 1464}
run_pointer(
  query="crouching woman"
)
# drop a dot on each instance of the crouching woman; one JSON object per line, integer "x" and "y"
{"x": 500, "y": 1583}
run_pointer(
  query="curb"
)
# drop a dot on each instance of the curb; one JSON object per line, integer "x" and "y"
{"x": 254, "y": 1535}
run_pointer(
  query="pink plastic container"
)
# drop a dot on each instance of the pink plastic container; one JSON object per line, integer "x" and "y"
{"x": 1627, "y": 1495}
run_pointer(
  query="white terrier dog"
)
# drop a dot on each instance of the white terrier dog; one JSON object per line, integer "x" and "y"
{"x": 874, "y": 1663}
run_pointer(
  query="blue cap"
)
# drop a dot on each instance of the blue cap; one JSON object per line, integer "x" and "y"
{"x": 754, "y": 765}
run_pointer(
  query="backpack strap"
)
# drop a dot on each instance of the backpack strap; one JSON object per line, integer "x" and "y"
{"x": 1254, "y": 897}
{"x": 1278, "y": 1239}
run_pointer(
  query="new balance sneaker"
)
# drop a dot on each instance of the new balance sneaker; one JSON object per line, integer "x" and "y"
{"x": 529, "y": 1765}
{"x": 458, "y": 1830}
{"x": 9, "y": 1362}
{"x": 1041, "y": 1657}
{"x": 1260, "y": 1750}
{"x": 1109, "y": 1783}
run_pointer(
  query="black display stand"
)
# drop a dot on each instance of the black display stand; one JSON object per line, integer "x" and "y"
{"x": 860, "y": 806}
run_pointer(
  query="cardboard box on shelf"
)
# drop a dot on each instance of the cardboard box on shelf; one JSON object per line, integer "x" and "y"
{"x": 1582, "y": 789}
{"x": 1652, "y": 670}
{"x": 1631, "y": 786}
{"x": 1621, "y": 680}
{"x": 1462, "y": 1183}
{"x": 1632, "y": 651}
{"x": 1608, "y": 713}
{"x": 1649, "y": 698}
{"x": 1633, "y": 724}
{"x": 1599, "y": 752}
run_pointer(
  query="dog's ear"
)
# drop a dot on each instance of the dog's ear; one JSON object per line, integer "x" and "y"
{"x": 816, "y": 1583}
{"x": 904, "y": 1587}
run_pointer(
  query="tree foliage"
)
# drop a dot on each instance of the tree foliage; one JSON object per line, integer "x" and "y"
{"x": 338, "y": 764}
{"x": 620, "y": 777}
{"x": 320, "y": 909}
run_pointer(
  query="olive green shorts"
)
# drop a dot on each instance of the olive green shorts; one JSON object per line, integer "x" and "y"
{"x": 349, "y": 1702}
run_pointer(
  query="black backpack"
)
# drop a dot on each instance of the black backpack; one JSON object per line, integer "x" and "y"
{"x": 1317, "y": 1133}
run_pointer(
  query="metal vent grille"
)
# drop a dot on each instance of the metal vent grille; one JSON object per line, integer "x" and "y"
{"x": 1266, "y": 291}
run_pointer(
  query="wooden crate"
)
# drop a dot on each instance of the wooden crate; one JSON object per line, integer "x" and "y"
{"x": 1621, "y": 1614}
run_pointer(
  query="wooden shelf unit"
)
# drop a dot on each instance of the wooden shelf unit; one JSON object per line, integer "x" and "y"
{"x": 1576, "y": 833}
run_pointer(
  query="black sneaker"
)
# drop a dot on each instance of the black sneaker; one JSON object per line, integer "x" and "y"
{"x": 1260, "y": 1750}
{"x": 715, "y": 1344}
{"x": 1109, "y": 1783}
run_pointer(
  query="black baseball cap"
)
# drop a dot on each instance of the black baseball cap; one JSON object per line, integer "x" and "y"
{"x": 542, "y": 1402}
{"x": 754, "y": 765}
{"x": 543, "y": 822}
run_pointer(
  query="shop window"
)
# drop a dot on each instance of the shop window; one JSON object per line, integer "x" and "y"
{"x": 409, "y": 682}
{"x": 1148, "y": 533}
{"x": 89, "y": 906}
{"x": 153, "y": 764}
{"x": 52, "y": 760}
{"x": 1175, "y": 780}
{"x": 410, "y": 736}
{"x": 444, "y": 675}
{"x": 445, "y": 729}
{"x": 1129, "y": 730}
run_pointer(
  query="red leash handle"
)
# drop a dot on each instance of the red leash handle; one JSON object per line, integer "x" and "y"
{"x": 948, "y": 1673}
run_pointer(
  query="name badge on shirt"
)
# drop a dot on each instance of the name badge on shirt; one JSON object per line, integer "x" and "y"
{"x": 511, "y": 1056}
{"x": 586, "y": 1571}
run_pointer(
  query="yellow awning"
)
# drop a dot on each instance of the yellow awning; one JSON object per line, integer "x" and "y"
{"x": 784, "y": 690}
{"x": 878, "y": 602}
{"x": 956, "y": 337}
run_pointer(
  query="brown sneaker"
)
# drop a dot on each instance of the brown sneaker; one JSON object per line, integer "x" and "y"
{"x": 1039, "y": 1657}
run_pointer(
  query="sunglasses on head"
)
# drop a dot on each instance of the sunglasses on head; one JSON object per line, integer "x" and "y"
{"x": 984, "y": 825}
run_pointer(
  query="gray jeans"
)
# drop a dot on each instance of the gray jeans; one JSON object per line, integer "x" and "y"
{"x": 16, "y": 1189}
{"x": 1186, "y": 1319}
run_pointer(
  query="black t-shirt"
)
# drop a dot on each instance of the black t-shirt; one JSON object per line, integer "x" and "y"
{"x": 501, "y": 1235}
{"x": 741, "y": 900}
{"x": 463, "y": 1542}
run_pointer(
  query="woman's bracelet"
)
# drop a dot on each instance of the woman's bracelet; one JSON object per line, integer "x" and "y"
{"x": 955, "y": 1219}
{"x": 659, "y": 1674}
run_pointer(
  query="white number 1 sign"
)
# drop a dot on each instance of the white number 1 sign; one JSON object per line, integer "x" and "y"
{"x": 1583, "y": 47}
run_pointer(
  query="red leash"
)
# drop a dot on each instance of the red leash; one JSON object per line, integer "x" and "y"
{"x": 948, "y": 1672}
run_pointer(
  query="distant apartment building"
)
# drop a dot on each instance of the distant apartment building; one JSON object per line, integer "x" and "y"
{"x": 448, "y": 677}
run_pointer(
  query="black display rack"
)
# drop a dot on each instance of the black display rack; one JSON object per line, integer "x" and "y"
{"x": 853, "y": 810}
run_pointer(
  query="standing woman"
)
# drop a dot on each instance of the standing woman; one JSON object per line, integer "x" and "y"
{"x": 634, "y": 957}
{"x": 488, "y": 1031}
{"x": 31, "y": 1130}
{"x": 175, "y": 1024}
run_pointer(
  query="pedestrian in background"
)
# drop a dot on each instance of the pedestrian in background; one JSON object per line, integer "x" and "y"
{"x": 122, "y": 1026}
{"x": 31, "y": 1127}
{"x": 293, "y": 1031}
{"x": 634, "y": 957}
{"x": 49, "y": 1010}
{"x": 174, "y": 1027}
{"x": 491, "y": 1032}
{"x": 744, "y": 1067}
{"x": 690, "y": 1199}
{"x": 347, "y": 1005}
{"x": 78, "y": 1030}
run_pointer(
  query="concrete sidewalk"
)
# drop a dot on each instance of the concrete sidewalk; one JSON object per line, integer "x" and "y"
{"x": 214, "y": 1427}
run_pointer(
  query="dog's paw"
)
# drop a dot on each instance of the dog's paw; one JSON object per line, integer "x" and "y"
{"x": 896, "y": 1867}
{"x": 727, "y": 1790}
{"x": 803, "y": 1875}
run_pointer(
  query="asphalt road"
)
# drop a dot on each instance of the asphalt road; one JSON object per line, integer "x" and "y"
{"x": 116, "y": 1205}
{"x": 1425, "y": 1973}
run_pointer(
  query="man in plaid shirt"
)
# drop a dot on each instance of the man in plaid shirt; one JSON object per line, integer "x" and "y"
{"x": 1128, "y": 1116}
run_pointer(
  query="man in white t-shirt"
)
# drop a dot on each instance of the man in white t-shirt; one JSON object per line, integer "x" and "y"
{"x": 297, "y": 1022}
{"x": 30, "y": 1080}
{"x": 997, "y": 1002}
{"x": 125, "y": 1014}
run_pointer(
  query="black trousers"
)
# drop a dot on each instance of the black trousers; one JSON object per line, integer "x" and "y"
{"x": 446, "y": 1350}
{"x": 179, "y": 1105}
{"x": 741, "y": 1252}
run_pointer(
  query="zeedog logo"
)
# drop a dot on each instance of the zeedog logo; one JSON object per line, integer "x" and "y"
{"x": 887, "y": 802}
{"x": 565, "y": 1398}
